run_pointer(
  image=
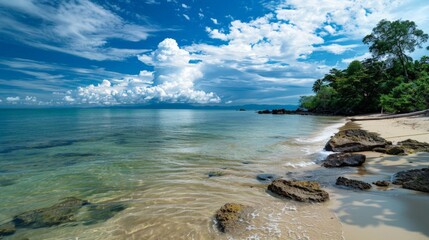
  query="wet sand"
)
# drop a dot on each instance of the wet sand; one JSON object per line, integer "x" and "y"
{"x": 386, "y": 212}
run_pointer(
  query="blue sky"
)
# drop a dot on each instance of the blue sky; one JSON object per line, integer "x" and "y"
{"x": 214, "y": 52}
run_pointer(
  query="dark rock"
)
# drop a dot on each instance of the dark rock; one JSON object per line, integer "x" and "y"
{"x": 7, "y": 229}
{"x": 45, "y": 217}
{"x": 302, "y": 191}
{"x": 355, "y": 140}
{"x": 266, "y": 177}
{"x": 415, "y": 179}
{"x": 215, "y": 174}
{"x": 382, "y": 183}
{"x": 242, "y": 110}
{"x": 343, "y": 160}
{"x": 232, "y": 217}
{"x": 415, "y": 145}
{"x": 102, "y": 212}
{"x": 264, "y": 112}
{"x": 353, "y": 183}
{"x": 391, "y": 150}
{"x": 246, "y": 162}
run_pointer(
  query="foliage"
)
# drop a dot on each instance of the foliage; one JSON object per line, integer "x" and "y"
{"x": 388, "y": 81}
{"x": 394, "y": 39}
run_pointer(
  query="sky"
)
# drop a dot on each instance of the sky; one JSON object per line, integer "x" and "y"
{"x": 211, "y": 52}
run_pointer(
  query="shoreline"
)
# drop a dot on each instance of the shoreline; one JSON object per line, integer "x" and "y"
{"x": 396, "y": 212}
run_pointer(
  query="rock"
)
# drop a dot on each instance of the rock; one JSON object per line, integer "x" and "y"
{"x": 302, "y": 191}
{"x": 7, "y": 229}
{"x": 391, "y": 150}
{"x": 45, "y": 217}
{"x": 232, "y": 217}
{"x": 382, "y": 183}
{"x": 415, "y": 145}
{"x": 264, "y": 112}
{"x": 353, "y": 183}
{"x": 355, "y": 140}
{"x": 266, "y": 177}
{"x": 215, "y": 174}
{"x": 415, "y": 179}
{"x": 102, "y": 212}
{"x": 343, "y": 160}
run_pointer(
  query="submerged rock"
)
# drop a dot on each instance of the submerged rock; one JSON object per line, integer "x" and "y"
{"x": 102, "y": 211}
{"x": 267, "y": 177}
{"x": 415, "y": 179}
{"x": 353, "y": 183}
{"x": 391, "y": 150}
{"x": 232, "y": 217}
{"x": 45, "y": 217}
{"x": 355, "y": 140}
{"x": 302, "y": 191}
{"x": 343, "y": 160}
{"x": 382, "y": 183}
{"x": 7, "y": 229}
{"x": 415, "y": 145}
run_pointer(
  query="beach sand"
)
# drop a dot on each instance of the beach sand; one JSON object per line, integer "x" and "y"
{"x": 386, "y": 213}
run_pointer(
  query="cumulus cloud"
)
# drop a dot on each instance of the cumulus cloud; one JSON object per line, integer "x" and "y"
{"x": 78, "y": 27}
{"x": 13, "y": 99}
{"x": 172, "y": 80}
{"x": 186, "y": 17}
{"x": 336, "y": 48}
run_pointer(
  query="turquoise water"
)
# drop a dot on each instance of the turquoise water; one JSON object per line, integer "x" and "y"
{"x": 154, "y": 161}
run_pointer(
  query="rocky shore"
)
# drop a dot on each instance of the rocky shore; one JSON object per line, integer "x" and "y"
{"x": 351, "y": 148}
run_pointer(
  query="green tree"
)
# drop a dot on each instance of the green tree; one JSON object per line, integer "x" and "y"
{"x": 317, "y": 85}
{"x": 394, "y": 40}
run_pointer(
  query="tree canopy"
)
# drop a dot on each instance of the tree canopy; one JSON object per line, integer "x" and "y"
{"x": 389, "y": 81}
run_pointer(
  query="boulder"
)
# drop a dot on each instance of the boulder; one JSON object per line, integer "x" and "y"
{"x": 415, "y": 179}
{"x": 355, "y": 140}
{"x": 45, "y": 217}
{"x": 302, "y": 191}
{"x": 7, "y": 229}
{"x": 414, "y": 145}
{"x": 343, "y": 160}
{"x": 391, "y": 150}
{"x": 382, "y": 183}
{"x": 232, "y": 218}
{"x": 266, "y": 177}
{"x": 353, "y": 183}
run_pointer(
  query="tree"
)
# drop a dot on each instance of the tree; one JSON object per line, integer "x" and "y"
{"x": 317, "y": 85}
{"x": 394, "y": 40}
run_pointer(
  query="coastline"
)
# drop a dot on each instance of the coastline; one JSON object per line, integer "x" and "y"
{"x": 396, "y": 212}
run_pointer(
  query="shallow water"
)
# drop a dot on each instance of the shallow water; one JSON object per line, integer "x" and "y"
{"x": 157, "y": 163}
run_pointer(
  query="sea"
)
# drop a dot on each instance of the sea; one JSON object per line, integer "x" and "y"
{"x": 170, "y": 170}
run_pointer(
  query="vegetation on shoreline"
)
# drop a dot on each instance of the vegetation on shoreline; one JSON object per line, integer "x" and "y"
{"x": 388, "y": 81}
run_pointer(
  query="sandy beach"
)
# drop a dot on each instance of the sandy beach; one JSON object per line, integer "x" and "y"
{"x": 392, "y": 212}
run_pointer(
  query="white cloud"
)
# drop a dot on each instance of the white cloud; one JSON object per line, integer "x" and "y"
{"x": 30, "y": 99}
{"x": 68, "y": 99}
{"x": 336, "y": 48}
{"x": 151, "y": 2}
{"x": 214, "y": 20}
{"x": 329, "y": 29}
{"x": 172, "y": 81}
{"x": 186, "y": 17}
{"x": 201, "y": 15}
{"x": 79, "y": 27}
{"x": 359, "y": 58}
{"x": 185, "y": 6}
{"x": 12, "y": 99}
